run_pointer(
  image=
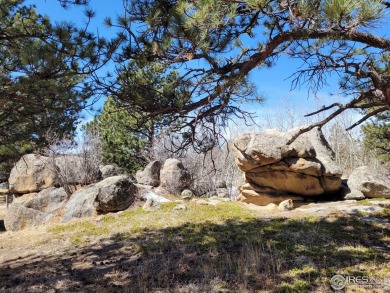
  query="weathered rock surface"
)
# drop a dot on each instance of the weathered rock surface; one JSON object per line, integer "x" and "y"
{"x": 187, "y": 194}
{"x": 48, "y": 200}
{"x": 35, "y": 208}
{"x": 32, "y": 173}
{"x": 286, "y": 205}
{"x": 222, "y": 192}
{"x": 116, "y": 193}
{"x": 261, "y": 195}
{"x": 365, "y": 183}
{"x": 274, "y": 171}
{"x": 179, "y": 207}
{"x": 151, "y": 205}
{"x": 150, "y": 175}
{"x": 20, "y": 217}
{"x": 108, "y": 171}
{"x": 109, "y": 195}
{"x": 174, "y": 177}
{"x": 80, "y": 204}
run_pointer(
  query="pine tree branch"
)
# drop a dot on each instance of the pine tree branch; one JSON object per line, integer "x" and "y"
{"x": 371, "y": 114}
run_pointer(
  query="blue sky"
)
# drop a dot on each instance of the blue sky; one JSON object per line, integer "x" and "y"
{"x": 271, "y": 83}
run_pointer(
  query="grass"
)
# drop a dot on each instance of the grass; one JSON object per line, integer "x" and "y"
{"x": 138, "y": 221}
{"x": 368, "y": 201}
{"x": 226, "y": 247}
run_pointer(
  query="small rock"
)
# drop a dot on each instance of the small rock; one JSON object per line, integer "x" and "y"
{"x": 151, "y": 205}
{"x": 214, "y": 202}
{"x": 187, "y": 194}
{"x": 271, "y": 207}
{"x": 286, "y": 205}
{"x": 180, "y": 207}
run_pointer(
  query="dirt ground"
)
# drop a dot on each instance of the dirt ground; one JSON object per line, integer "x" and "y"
{"x": 30, "y": 261}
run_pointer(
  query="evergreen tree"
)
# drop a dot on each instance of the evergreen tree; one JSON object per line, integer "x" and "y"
{"x": 377, "y": 136}
{"x": 121, "y": 145}
{"x": 128, "y": 133}
{"x": 216, "y": 45}
{"x": 43, "y": 71}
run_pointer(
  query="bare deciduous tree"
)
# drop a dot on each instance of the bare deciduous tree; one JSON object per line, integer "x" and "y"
{"x": 74, "y": 162}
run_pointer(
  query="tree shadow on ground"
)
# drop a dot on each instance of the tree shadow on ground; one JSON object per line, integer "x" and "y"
{"x": 277, "y": 255}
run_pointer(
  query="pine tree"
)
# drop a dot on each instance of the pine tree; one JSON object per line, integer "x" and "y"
{"x": 128, "y": 133}
{"x": 43, "y": 71}
{"x": 121, "y": 145}
{"x": 217, "y": 44}
{"x": 377, "y": 136}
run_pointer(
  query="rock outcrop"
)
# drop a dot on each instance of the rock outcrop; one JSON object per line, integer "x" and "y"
{"x": 32, "y": 173}
{"x": 150, "y": 175}
{"x": 366, "y": 183}
{"x": 275, "y": 171}
{"x": 174, "y": 177}
{"x": 112, "y": 194}
{"x": 80, "y": 204}
{"x": 19, "y": 217}
{"x": 34, "y": 209}
{"x": 116, "y": 193}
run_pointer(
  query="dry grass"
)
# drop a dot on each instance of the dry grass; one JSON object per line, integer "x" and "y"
{"x": 223, "y": 248}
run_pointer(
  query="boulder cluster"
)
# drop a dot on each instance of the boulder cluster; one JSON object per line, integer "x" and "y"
{"x": 276, "y": 174}
{"x": 275, "y": 171}
{"x": 172, "y": 177}
{"x": 35, "y": 181}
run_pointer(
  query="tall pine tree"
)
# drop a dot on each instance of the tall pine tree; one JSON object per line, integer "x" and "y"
{"x": 43, "y": 71}
{"x": 128, "y": 133}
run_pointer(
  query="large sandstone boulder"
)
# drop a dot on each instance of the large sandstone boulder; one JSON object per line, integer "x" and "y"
{"x": 20, "y": 217}
{"x": 174, "y": 177}
{"x": 116, "y": 193}
{"x": 35, "y": 208}
{"x": 109, "y": 195}
{"x": 366, "y": 183}
{"x": 32, "y": 173}
{"x": 276, "y": 170}
{"x": 48, "y": 200}
{"x": 150, "y": 175}
{"x": 80, "y": 204}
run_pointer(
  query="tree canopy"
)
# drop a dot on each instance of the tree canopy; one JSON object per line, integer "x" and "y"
{"x": 216, "y": 44}
{"x": 205, "y": 50}
{"x": 377, "y": 136}
{"x": 43, "y": 76}
{"x": 127, "y": 133}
